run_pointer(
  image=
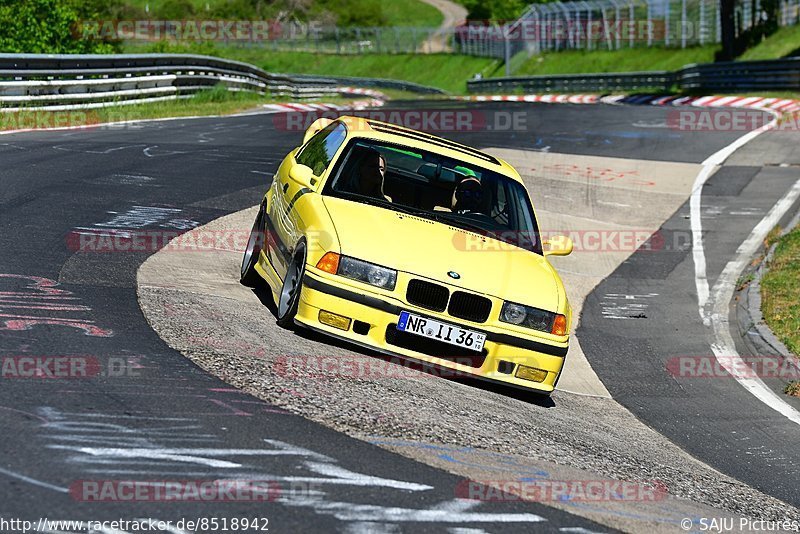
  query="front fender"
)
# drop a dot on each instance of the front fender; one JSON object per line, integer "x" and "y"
{"x": 316, "y": 226}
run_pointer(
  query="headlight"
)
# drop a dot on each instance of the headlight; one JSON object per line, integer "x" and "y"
{"x": 543, "y": 321}
{"x": 513, "y": 313}
{"x": 367, "y": 272}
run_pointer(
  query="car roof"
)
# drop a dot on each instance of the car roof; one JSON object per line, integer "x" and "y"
{"x": 383, "y": 131}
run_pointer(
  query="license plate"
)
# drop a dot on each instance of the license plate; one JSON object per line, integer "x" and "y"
{"x": 446, "y": 333}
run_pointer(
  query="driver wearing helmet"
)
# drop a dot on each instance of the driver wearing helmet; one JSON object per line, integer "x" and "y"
{"x": 371, "y": 172}
{"x": 467, "y": 196}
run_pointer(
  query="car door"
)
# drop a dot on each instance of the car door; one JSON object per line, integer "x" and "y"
{"x": 284, "y": 217}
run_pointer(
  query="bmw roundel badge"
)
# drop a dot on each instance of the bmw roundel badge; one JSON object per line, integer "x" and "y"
{"x": 453, "y": 274}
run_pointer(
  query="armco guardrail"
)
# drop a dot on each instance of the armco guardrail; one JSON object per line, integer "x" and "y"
{"x": 376, "y": 83}
{"x": 57, "y": 82}
{"x": 734, "y": 76}
{"x": 575, "y": 83}
{"x": 30, "y": 81}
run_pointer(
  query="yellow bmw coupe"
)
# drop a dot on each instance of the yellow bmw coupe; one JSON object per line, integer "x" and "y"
{"x": 412, "y": 245}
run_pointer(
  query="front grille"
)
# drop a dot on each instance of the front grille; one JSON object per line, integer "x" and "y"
{"x": 434, "y": 348}
{"x": 427, "y": 295}
{"x": 470, "y": 307}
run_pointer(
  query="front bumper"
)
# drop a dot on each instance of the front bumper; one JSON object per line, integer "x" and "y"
{"x": 376, "y": 317}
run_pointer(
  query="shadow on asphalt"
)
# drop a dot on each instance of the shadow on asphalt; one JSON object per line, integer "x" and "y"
{"x": 263, "y": 294}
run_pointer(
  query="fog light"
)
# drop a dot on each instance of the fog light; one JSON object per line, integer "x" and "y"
{"x": 531, "y": 373}
{"x": 331, "y": 319}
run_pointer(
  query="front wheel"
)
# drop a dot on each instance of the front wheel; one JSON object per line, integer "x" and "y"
{"x": 249, "y": 276}
{"x": 289, "y": 297}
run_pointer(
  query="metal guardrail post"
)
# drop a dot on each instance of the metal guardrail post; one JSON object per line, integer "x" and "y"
{"x": 683, "y": 24}
{"x": 666, "y": 23}
{"x": 702, "y": 27}
{"x": 632, "y": 22}
{"x": 507, "y": 49}
{"x": 606, "y": 31}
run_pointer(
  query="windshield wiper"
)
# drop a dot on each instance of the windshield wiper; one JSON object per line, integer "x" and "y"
{"x": 441, "y": 217}
{"x": 372, "y": 201}
{"x": 425, "y": 214}
{"x": 490, "y": 234}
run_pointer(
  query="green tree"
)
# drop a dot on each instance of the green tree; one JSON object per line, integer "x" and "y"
{"x": 499, "y": 10}
{"x": 45, "y": 26}
{"x": 173, "y": 10}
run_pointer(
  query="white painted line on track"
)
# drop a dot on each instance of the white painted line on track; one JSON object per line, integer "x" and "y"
{"x": 714, "y": 305}
{"x": 724, "y": 347}
{"x": 33, "y": 481}
{"x": 364, "y": 512}
{"x": 695, "y": 205}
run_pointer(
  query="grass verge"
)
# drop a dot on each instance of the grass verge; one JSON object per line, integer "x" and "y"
{"x": 780, "y": 291}
{"x": 215, "y": 101}
{"x": 625, "y": 60}
{"x": 445, "y": 71}
{"x": 782, "y": 43}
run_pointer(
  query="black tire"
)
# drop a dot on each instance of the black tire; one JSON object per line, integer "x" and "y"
{"x": 289, "y": 297}
{"x": 249, "y": 276}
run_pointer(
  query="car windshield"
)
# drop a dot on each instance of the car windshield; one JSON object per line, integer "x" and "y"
{"x": 430, "y": 185}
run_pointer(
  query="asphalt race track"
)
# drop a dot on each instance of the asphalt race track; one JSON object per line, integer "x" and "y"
{"x": 181, "y": 423}
{"x": 152, "y": 414}
{"x": 645, "y": 317}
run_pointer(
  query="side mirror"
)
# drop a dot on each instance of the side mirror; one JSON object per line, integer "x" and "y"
{"x": 559, "y": 245}
{"x": 315, "y": 127}
{"x": 301, "y": 175}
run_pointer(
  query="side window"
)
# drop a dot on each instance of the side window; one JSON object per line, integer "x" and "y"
{"x": 320, "y": 149}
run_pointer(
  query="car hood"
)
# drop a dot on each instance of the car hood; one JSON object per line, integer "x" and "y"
{"x": 432, "y": 249}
